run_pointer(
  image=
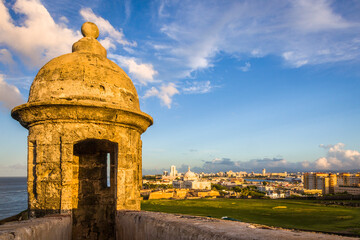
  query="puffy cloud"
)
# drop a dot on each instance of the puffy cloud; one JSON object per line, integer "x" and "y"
{"x": 322, "y": 163}
{"x": 338, "y": 158}
{"x": 197, "y": 87}
{"x": 38, "y": 38}
{"x": 113, "y": 35}
{"x": 164, "y": 93}
{"x": 143, "y": 72}
{"x": 10, "y": 95}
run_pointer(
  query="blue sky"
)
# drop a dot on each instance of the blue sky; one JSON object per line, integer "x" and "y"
{"x": 236, "y": 85}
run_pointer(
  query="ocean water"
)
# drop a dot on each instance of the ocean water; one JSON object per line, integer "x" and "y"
{"x": 13, "y": 196}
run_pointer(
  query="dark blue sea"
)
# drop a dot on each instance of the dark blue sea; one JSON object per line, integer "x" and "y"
{"x": 13, "y": 196}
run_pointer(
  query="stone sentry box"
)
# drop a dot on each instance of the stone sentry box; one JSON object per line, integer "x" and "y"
{"x": 84, "y": 143}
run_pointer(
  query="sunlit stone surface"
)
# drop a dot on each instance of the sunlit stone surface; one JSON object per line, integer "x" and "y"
{"x": 84, "y": 123}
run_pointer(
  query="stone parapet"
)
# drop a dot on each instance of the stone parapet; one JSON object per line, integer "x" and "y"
{"x": 142, "y": 225}
{"x": 54, "y": 227}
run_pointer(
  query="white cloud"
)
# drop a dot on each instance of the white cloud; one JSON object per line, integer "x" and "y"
{"x": 322, "y": 163}
{"x": 6, "y": 57}
{"x": 164, "y": 93}
{"x": 337, "y": 158}
{"x": 142, "y": 72}
{"x": 246, "y": 67}
{"x": 298, "y": 31}
{"x": 113, "y": 35}
{"x": 10, "y": 95}
{"x": 294, "y": 59}
{"x": 64, "y": 19}
{"x": 256, "y": 53}
{"x": 192, "y": 44}
{"x": 107, "y": 43}
{"x": 197, "y": 87}
{"x": 127, "y": 6}
{"x": 37, "y": 38}
{"x": 305, "y": 164}
{"x": 312, "y": 16}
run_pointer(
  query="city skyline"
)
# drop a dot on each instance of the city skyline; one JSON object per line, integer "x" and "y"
{"x": 199, "y": 170}
{"x": 242, "y": 85}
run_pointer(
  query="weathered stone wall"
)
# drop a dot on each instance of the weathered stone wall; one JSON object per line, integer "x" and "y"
{"x": 53, "y": 170}
{"x": 141, "y": 225}
{"x": 50, "y": 227}
{"x": 61, "y": 180}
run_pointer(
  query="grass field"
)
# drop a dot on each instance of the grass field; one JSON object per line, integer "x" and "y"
{"x": 294, "y": 214}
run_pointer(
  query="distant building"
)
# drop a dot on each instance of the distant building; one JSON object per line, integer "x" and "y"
{"x": 241, "y": 174}
{"x": 312, "y": 180}
{"x": 347, "y": 179}
{"x": 320, "y": 181}
{"x": 197, "y": 185}
{"x": 190, "y": 176}
{"x": 161, "y": 195}
{"x": 348, "y": 189}
{"x": 276, "y": 175}
{"x": 275, "y": 194}
{"x": 264, "y": 172}
{"x": 190, "y": 181}
{"x": 173, "y": 171}
{"x": 209, "y": 194}
{"x": 265, "y": 188}
{"x": 312, "y": 192}
{"x": 332, "y": 182}
{"x": 230, "y": 174}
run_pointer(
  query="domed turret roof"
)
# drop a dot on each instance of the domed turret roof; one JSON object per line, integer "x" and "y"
{"x": 86, "y": 75}
{"x": 83, "y": 86}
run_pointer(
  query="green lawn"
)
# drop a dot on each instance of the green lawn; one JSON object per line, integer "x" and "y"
{"x": 287, "y": 213}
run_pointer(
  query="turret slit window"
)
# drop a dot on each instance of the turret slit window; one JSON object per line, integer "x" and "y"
{"x": 108, "y": 167}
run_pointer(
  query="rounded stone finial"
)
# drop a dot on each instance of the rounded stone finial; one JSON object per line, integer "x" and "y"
{"x": 90, "y": 29}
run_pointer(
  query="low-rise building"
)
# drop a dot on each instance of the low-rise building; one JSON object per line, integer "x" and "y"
{"x": 353, "y": 190}
{"x": 161, "y": 195}
{"x": 320, "y": 181}
{"x": 209, "y": 194}
{"x": 275, "y": 194}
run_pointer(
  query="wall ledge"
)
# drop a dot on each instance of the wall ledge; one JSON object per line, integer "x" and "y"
{"x": 55, "y": 227}
{"x": 139, "y": 225}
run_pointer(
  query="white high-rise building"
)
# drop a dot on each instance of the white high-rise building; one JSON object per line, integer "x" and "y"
{"x": 264, "y": 172}
{"x": 173, "y": 172}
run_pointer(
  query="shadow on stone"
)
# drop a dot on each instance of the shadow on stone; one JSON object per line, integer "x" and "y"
{"x": 94, "y": 217}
